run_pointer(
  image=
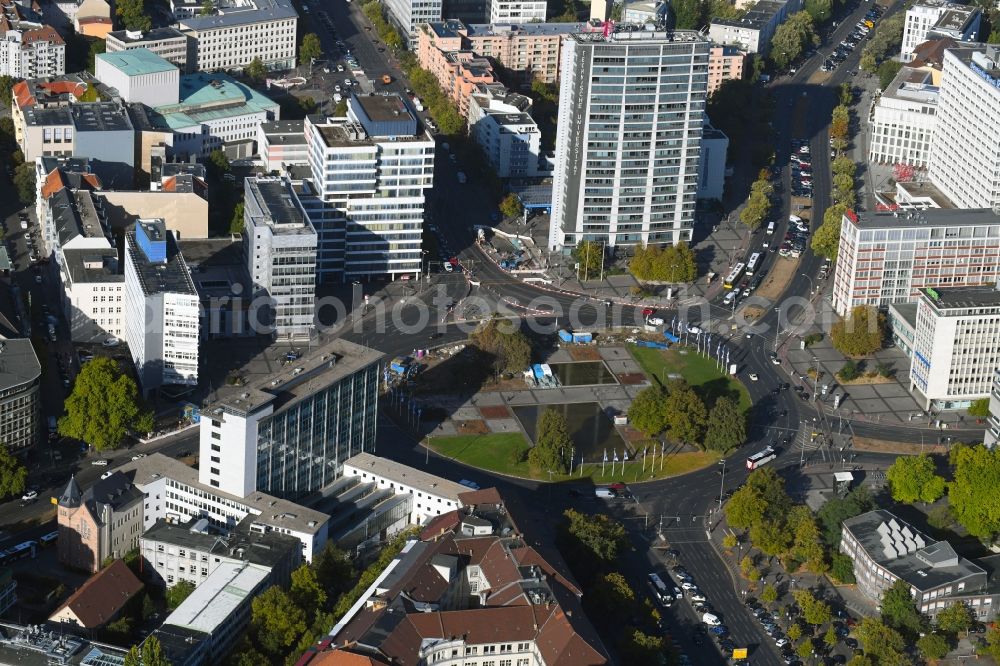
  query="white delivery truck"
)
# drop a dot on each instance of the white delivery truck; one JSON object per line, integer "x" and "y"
{"x": 604, "y": 493}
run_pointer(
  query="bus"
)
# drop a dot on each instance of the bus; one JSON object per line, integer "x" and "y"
{"x": 753, "y": 263}
{"x": 660, "y": 590}
{"x": 49, "y": 538}
{"x": 761, "y": 458}
{"x": 734, "y": 276}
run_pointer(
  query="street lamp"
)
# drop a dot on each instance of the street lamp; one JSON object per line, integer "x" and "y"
{"x": 811, "y": 287}
{"x": 722, "y": 483}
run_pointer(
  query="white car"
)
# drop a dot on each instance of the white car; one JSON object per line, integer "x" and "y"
{"x": 655, "y": 321}
{"x": 694, "y": 330}
{"x": 110, "y": 342}
{"x": 775, "y": 360}
{"x": 29, "y": 496}
{"x": 696, "y": 595}
{"x": 711, "y": 620}
{"x": 804, "y": 150}
{"x": 754, "y": 377}
{"x": 688, "y": 585}
{"x": 100, "y": 462}
{"x": 730, "y": 297}
{"x": 781, "y": 642}
{"x": 795, "y": 219}
{"x": 107, "y": 474}
{"x": 139, "y": 456}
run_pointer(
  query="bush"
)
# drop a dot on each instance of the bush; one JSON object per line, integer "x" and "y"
{"x": 813, "y": 338}
{"x": 842, "y": 568}
{"x": 849, "y": 372}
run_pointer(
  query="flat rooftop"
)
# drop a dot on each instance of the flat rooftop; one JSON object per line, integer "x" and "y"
{"x": 154, "y": 35}
{"x": 283, "y": 216}
{"x": 93, "y": 265}
{"x": 913, "y": 84}
{"x": 928, "y": 217}
{"x": 18, "y": 363}
{"x": 285, "y": 132}
{"x": 172, "y": 277}
{"x": 266, "y": 550}
{"x": 962, "y": 297}
{"x": 25, "y": 646}
{"x": 926, "y": 190}
{"x": 955, "y": 18}
{"x": 525, "y": 29}
{"x": 267, "y": 509}
{"x": 638, "y": 34}
{"x": 136, "y": 62}
{"x": 257, "y": 11}
{"x": 218, "y": 596}
{"x": 410, "y": 476}
{"x": 100, "y": 117}
{"x": 382, "y": 108}
{"x": 758, "y": 17}
{"x": 272, "y": 377}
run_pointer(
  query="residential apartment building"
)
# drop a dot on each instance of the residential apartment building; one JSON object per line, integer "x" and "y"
{"x": 215, "y": 111}
{"x": 173, "y": 493}
{"x": 161, "y": 306}
{"x": 754, "y": 31}
{"x": 168, "y": 43}
{"x": 52, "y": 93}
{"x": 20, "y": 402}
{"x": 500, "y": 122}
{"x": 903, "y": 119}
{"x": 432, "y": 495}
{"x": 280, "y": 244}
{"x": 965, "y": 153}
{"x": 627, "y": 169}
{"x": 93, "y": 18}
{"x": 406, "y": 15}
{"x": 530, "y": 50}
{"x": 469, "y": 590}
{"x": 517, "y": 11}
{"x": 139, "y": 76}
{"x": 928, "y": 19}
{"x": 29, "y": 49}
{"x": 885, "y": 549}
{"x": 725, "y": 63}
{"x": 645, "y": 11}
{"x": 101, "y": 522}
{"x": 93, "y": 293}
{"x": 886, "y": 258}
{"x": 369, "y": 175}
{"x": 173, "y": 553}
{"x": 956, "y": 347}
{"x": 282, "y": 143}
{"x": 288, "y": 432}
{"x": 241, "y": 30}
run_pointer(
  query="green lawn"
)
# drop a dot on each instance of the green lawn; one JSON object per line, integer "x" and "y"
{"x": 496, "y": 453}
{"x": 701, "y": 373}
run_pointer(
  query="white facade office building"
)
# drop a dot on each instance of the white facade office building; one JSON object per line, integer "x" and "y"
{"x": 965, "y": 153}
{"x": 956, "y": 346}
{"x": 431, "y": 495}
{"x": 628, "y": 138}
{"x": 517, "y": 11}
{"x": 904, "y": 118}
{"x": 369, "y": 176}
{"x": 239, "y": 31}
{"x": 408, "y": 14}
{"x": 161, "y": 308}
{"x": 288, "y": 432}
{"x": 499, "y": 121}
{"x": 887, "y": 258}
{"x": 927, "y": 19}
{"x": 280, "y": 245}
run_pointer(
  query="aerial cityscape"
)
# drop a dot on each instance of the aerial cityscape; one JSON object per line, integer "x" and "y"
{"x": 499, "y": 332}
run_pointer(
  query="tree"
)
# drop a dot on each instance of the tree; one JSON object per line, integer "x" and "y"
{"x": 150, "y": 654}
{"x": 306, "y": 590}
{"x": 849, "y": 372}
{"x": 340, "y": 111}
{"x": 6, "y": 89}
{"x": 771, "y": 537}
{"x": 590, "y": 257}
{"x": 638, "y": 647}
{"x": 685, "y": 412}
{"x": 805, "y": 649}
{"x": 675, "y": 263}
{"x": 879, "y": 640}
{"x": 276, "y": 621}
{"x": 831, "y": 638}
{"x": 689, "y": 14}
{"x": 103, "y": 406}
{"x": 861, "y": 333}
{"x": 218, "y": 163}
{"x": 899, "y": 610}
{"x": 887, "y": 71}
{"x": 508, "y": 347}
{"x": 842, "y": 568}
{"x": 844, "y": 165}
{"x": 207, "y": 8}
{"x": 727, "y": 426}
{"x": 648, "y": 413}
{"x": 837, "y": 510}
{"x": 256, "y": 70}
{"x": 511, "y": 206}
{"x": 819, "y": 10}
{"x": 912, "y": 479}
{"x": 13, "y": 474}
{"x": 24, "y": 181}
{"x": 955, "y": 618}
{"x": 814, "y": 611}
{"x": 133, "y": 15}
{"x": 236, "y": 224}
{"x": 613, "y": 595}
{"x": 972, "y": 493}
{"x": 758, "y": 205}
{"x": 310, "y": 49}
{"x": 177, "y": 593}
{"x": 827, "y": 236}
{"x": 806, "y": 544}
{"x": 791, "y": 38}
{"x": 598, "y": 536}
{"x": 980, "y": 408}
{"x": 745, "y": 508}
{"x": 769, "y": 595}
{"x": 933, "y": 646}
{"x": 794, "y": 631}
{"x": 553, "y": 445}
{"x": 991, "y": 645}
{"x": 94, "y": 49}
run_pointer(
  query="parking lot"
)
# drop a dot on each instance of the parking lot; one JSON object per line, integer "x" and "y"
{"x": 861, "y": 30}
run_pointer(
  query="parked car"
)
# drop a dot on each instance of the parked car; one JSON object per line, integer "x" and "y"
{"x": 100, "y": 462}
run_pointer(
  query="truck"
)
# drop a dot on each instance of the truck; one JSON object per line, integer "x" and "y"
{"x": 575, "y": 337}
{"x": 603, "y": 492}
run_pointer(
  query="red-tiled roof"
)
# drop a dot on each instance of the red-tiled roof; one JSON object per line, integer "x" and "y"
{"x": 446, "y": 522}
{"x": 87, "y": 20}
{"x": 484, "y": 496}
{"x": 102, "y": 597}
{"x": 44, "y": 34}
{"x": 343, "y": 657}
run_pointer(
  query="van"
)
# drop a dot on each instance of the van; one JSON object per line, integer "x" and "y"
{"x": 770, "y": 228}
{"x": 604, "y": 493}
{"x": 711, "y": 620}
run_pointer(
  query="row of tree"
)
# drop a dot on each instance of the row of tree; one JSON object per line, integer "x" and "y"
{"x": 827, "y": 237}
{"x": 375, "y": 13}
{"x": 675, "y": 263}
{"x": 758, "y": 205}
{"x": 884, "y": 42}
{"x": 861, "y": 333}
{"x": 792, "y": 38}
{"x": 678, "y": 410}
{"x": 425, "y": 86}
